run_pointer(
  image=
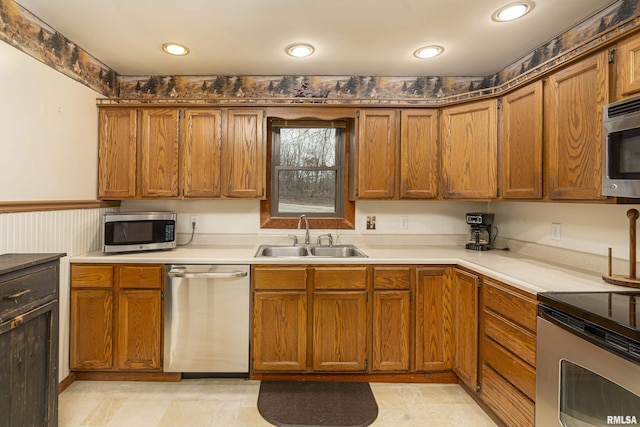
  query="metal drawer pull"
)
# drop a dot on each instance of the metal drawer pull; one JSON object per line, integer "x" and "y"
{"x": 208, "y": 275}
{"x": 18, "y": 294}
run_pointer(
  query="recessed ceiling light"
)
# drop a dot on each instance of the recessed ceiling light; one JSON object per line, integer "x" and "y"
{"x": 428, "y": 52}
{"x": 175, "y": 49}
{"x": 513, "y": 11}
{"x": 299, "y": 50}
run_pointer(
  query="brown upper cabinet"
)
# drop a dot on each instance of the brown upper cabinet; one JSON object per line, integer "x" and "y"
{"x": 397, "y": 146}
{"x": 522, "y": 143}
{"x": 117, "y": 153}
{"x": 174, "y": 153}
{"x": 573, "y": 101}
{"x": 469, "y": 136}
{"x": 628, "y": 68}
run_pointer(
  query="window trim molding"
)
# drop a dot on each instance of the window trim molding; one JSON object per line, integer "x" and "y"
{"x": 347, "y": 222}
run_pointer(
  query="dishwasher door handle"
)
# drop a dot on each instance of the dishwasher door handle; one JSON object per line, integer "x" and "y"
{"x": 186, "y": 275}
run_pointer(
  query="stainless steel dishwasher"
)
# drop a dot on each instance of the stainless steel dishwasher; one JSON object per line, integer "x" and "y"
{"x": 207, "y": 319}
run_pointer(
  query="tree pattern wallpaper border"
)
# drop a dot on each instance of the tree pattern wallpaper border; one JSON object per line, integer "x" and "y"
{"x": 26, "y": 32}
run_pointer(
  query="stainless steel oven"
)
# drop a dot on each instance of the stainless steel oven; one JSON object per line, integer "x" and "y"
{"x": 588, "y": 360}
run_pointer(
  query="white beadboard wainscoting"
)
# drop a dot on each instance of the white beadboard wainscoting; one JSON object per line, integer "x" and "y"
{"x": 67, "y": 231}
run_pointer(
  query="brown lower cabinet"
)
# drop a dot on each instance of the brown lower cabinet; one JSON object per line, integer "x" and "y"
{"x": 508, "y": 356}
{"x": 116, "y": 317}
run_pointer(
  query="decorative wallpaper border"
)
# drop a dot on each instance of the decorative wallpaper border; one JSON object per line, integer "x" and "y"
{"x": 26, "y": 32}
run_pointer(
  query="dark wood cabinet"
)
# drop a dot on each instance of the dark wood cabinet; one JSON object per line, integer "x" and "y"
{"x": 29, "y": 286}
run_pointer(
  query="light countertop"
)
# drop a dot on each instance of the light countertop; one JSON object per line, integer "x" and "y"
{"x": 528, "y": 274}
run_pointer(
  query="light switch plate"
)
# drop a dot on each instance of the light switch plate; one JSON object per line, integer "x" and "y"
{"x": 556, "y": 231}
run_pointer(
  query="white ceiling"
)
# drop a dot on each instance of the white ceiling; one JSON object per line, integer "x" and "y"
{"x": 351, "y": 37}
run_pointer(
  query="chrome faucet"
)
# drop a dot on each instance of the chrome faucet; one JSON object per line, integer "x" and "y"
{"x": 306, "y": 236}
{"x": 329, "y": 236}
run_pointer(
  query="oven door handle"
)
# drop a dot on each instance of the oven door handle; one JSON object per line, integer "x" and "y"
{"x": 187, "y": 275}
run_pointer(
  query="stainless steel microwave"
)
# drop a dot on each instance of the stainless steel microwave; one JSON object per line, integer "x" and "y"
{"x": 139, "y": 231}
{"x": 621, "y": 148}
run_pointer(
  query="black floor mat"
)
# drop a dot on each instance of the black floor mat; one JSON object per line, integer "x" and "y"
{"x": 315, "y": 403}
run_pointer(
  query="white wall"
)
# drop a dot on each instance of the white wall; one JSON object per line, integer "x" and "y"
{"x": 587, "y": 228}
{"x": 48, "y": 132}
{"x": 48, "y": 151}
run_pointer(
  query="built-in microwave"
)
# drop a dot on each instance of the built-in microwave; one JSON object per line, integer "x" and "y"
{"x": 139, "y": 231}
{"x": 621, "y": 148}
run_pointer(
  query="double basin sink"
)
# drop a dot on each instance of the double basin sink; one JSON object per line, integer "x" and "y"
{"x": 309, "y": 251}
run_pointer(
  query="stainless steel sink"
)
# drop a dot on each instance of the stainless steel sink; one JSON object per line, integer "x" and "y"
{"x": 310, "y": 251}
{"x": 282, "y": 251}
{"x": 340, "y": 251}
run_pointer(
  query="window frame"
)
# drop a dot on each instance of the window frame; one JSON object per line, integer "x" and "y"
{"x": 346, "y": 220}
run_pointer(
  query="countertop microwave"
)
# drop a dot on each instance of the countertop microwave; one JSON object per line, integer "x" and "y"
{"x": 139, "y": 231}
{"x": 621, "y": 148}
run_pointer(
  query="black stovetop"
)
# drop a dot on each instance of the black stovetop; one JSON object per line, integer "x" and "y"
{"x": 616, "y": 311}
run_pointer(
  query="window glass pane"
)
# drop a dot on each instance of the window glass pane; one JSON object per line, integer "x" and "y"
{"x": 308, "y": 147}
{"x": 307, "y": 191}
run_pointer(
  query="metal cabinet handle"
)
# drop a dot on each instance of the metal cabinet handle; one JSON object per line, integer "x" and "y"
{"x": 17, "y": 294}
{"x": 208, "y": 275}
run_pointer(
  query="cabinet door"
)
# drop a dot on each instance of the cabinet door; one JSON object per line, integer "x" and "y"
{"x": 244, "y": 155}
{"x": 419, "y": 154}
{"x": 391, "y": 330}
{"x": 433, "y": 319}
{"x": 522, "y": 143}
{"x": 279, "y": 331}
{"x": 159, "y": 153}
{"x": 469, "y": 151}
{"x": 465, "y": 327}
{"x": 201, "y": 139}
{"x": 340, "y": 331}
{"x": 91, "y": 329}
{"x": 376, "y": 154}
{"x": 628, "y": 68}
{"x": 117, "y": 151}
{"x": 138, "y": 329}
{"x": 574, "y": 112}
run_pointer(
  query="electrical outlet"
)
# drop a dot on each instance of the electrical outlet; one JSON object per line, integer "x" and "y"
{"x": 371, "y": 222}
{"x": 404, "y": 222}
{"x": 194, "y": 221}
{"x": 556, "y": 231}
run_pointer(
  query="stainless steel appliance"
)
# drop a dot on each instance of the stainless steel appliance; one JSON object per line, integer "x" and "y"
{"x": 480, "y": 232}
{"x": 207, "y": 319}
{"x": 139, "y": 231}
{"x": 621, "y": 148}
{"x": 588, "y": 359}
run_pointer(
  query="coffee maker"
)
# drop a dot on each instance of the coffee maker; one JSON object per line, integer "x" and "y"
{"x": 480, "y": 232}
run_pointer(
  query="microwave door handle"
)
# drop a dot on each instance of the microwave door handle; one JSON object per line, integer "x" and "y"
{"x": 186, "y": 275}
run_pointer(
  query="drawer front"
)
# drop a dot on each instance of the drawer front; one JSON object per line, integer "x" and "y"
{"x": 280, "y": 278}
{"x": 513, "y": 407}
{"x": 392, "y": 278}
{"x": 517, "y": 340}
{"x": 140, "y": 276}
{"x": 91, "y": 276}
{"x": 513, "y": 369}
{"x": 340, "y": 278}
{"x": 24, "y": 292}
{"x": 510, "y": 304}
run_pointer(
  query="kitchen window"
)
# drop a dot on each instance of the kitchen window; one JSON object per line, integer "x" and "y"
{"x": 308, "y": 170}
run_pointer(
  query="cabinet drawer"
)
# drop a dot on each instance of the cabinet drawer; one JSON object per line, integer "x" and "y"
{"x": 510, "y": 304}
{"x": 91, "y": 276}
{"x": 517, "y": 340}
{"x": 280, "y": 278}
{"x": 22, "y": 293}
{"x": 137, "y": 276}
{"x": 513, "y": 407}
{"x": 392, "y": 277}
{"x": 340, "y": 278}
{"x": 512, "y": 368}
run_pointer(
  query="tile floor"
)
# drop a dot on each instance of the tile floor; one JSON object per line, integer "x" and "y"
{"x": 232, "y": 402}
